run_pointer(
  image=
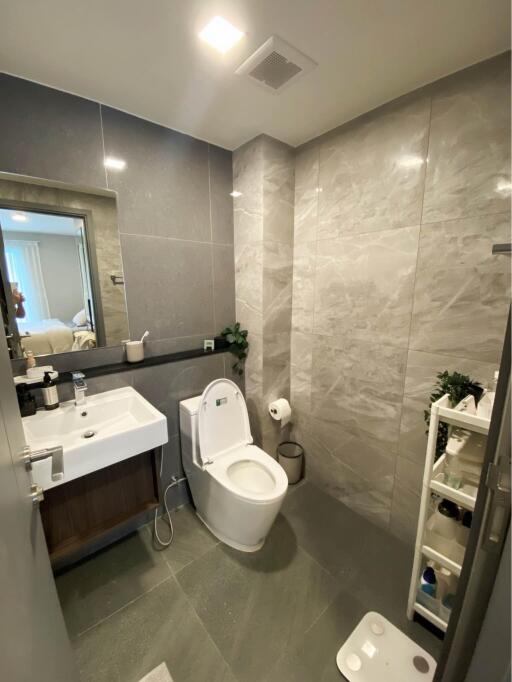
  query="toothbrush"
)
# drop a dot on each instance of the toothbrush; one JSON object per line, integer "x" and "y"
{"x": 146, "y": 333}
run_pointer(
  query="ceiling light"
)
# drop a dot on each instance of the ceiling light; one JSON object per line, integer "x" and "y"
{"x": 115, "y": 164}
{"x": 19, "y": 217}
{"x": 235, "y": 193}
{"x": 220, "y": 34}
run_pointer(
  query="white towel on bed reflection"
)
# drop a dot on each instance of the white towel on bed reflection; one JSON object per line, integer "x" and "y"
{"x": 52, "y": 336}
{"x": 84, "y": 340}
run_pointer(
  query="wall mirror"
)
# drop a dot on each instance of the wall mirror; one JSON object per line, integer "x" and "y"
{"x": 61, "y": 272}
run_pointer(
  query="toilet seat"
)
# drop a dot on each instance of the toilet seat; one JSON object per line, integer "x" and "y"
{"x": 226, "y": 449}
{"x": 250, "y": 474}
{"x": 223, "y": 420}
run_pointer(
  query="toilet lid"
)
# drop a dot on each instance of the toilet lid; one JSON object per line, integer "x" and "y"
{"x": 223, "y": 419}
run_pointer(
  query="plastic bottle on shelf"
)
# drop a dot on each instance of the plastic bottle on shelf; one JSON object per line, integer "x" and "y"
{"x": 31, "y": 361}
{"x": 428, "y": 581}
{"x": 461, "y": 537}
{"x": 442, "y": 527}
{"x": 452, "y": 471}
{"x": 486, "y": 402}
{"x": 445, "y": 608}
{"x": 464, "y": 456}
{"x": 446, "y": 582}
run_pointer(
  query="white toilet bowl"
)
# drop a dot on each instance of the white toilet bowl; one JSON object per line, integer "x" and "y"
{"x": 237, "y": 488}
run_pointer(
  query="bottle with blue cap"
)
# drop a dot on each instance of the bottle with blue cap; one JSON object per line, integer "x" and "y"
{"x": 429, "y": 581}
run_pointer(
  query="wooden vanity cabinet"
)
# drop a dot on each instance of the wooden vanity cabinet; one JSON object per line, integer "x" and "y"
{"x": 88, "y": 513}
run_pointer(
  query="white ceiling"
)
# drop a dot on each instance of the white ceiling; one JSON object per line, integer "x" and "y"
{"x": 146, "y": 58}
{"x": 40, "y": 223}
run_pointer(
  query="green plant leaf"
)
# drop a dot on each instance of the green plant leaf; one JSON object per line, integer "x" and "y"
{"x": 238, "y": 345}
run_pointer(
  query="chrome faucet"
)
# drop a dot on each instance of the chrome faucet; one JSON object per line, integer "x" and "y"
{"x": 80, "y": 387}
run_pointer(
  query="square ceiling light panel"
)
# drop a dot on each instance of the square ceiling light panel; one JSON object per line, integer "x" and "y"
{"x": 220, "y": 34}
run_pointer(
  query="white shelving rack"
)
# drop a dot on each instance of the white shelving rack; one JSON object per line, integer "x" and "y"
{"x": 433, "y": 482}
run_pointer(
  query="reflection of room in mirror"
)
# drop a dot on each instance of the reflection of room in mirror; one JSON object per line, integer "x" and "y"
{"x": 48, "y": 273}
{"x": 58, "y": 256}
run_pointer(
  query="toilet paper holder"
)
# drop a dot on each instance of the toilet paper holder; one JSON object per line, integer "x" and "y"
{"x": 280, "y": 410}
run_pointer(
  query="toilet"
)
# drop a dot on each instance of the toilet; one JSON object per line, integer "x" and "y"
{"x": 237, "y": 488}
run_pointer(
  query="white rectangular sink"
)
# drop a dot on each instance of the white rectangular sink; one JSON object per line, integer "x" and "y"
{"x": 110, "y": 427}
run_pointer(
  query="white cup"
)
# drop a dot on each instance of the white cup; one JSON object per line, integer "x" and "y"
{"x": 134, "y": 351}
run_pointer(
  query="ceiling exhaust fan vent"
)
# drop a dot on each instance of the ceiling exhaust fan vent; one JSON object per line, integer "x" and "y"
{"x": 276, "y": 64}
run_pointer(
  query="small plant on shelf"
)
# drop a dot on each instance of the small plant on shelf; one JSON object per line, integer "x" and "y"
{"x": 238, "y": 345}
{"x": 458, "y": 386}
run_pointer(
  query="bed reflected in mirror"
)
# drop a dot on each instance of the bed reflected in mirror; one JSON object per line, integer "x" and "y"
{"x": 49, "y": 280}
{"x": 62, "y": 286}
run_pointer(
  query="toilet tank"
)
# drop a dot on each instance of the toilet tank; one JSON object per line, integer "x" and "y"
{"x": 189, "y": 432}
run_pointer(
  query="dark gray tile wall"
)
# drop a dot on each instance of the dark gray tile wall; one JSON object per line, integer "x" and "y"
{"x": 168, "y": 286}
{"x": 50, "y": 134}
{"x": 174, "y": 205}
{"x": 163, "y": 191}
{"x": 175, "y": 217}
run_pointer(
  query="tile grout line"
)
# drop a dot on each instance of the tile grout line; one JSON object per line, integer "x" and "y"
{"x": 103, "y": 145}
{"x": 212, "y": 264}
{"x": 171, "y": 239}
{"x": 314, "y": 273}
{"x": 447, "y": 355}
{"x": 469, "y": 216}
{"x": 339, "y": 237}
{"x": 315, "y": 560}
{"x": 193, "y": 561}
{"x": 144, "y": 529}
{"x": 122, "y": 608}
{"x": 289, "y": 649}
{"x": 198, "y": 617}
{"x": 348, "y": 235}
{"x": 411, "y": 316}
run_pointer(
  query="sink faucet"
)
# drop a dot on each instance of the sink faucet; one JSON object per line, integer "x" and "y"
{"x": 80, "y": 387}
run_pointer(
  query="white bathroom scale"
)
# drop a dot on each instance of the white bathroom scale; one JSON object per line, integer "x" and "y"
{"x": 378, "y": 652}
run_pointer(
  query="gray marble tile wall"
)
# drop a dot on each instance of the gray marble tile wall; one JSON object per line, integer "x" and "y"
{"x": 175, "y": 217}
{"x": 263, "y": 216}
{"x": 394, "y": 281}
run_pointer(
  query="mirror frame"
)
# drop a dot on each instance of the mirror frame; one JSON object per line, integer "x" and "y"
{"x": 87, "y": 216}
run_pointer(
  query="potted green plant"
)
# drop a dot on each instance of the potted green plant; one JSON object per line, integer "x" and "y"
{"x": 238, "y": 345}
{"x": 457, "y": 386}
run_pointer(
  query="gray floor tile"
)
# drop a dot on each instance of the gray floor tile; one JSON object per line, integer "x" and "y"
{"x": 106, "y": 581}
{"x": 313, "y": 656}
{"x": 159, "y": 627}
{"x": 373, "y": 571}
{"x": 256, "y": 605}
{"x": 278, "y": 615}
{"x": 337, "y": 537}
{"x": 191, "y": 539}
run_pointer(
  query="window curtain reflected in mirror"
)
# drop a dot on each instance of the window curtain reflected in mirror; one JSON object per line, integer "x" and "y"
{"x": 24, "y": 270}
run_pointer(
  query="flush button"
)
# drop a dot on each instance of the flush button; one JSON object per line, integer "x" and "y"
{"x": 354, "y": 662}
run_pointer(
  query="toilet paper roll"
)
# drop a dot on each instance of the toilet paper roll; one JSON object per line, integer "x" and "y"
{"x": 280, "y": 410}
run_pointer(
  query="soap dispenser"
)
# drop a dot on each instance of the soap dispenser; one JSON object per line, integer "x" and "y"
{"x": 50, "y": 393}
